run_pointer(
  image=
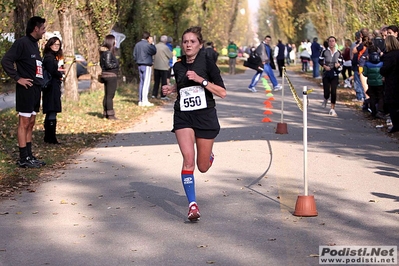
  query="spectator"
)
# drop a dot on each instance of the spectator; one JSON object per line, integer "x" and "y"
{"x": 109, "y": 73}
{"x": 28, "y": 74}
{"x": 52, "y": 93}
{"x": 355, "y": 48}
{"x": 293, "y": 53}
{"x": 232, "y": 54}
{"x": 378, "y": 41}
{"x": 265, "y": 52}
{"x": 171, "y": 61}
{"x": 225, "y": 52}
{"x": 362, "y": 57}
{"x": 390, "y": 71}
{"x": 347, "y": 67}
{"x": 142, "y": 54}
{"x": 280, "y": 52}
{"x": 305, "y": 59}
{"x": 210, "y": 52}
{"x": 361, "y": 53}
{"x": 161, "y": 66}
{"x": 288, "y": 57}
{"x": 375, "y": 89}
{"x": 384, "y": 32}
{"x": 393, "y": 30}
{"x": 316, "y": 49}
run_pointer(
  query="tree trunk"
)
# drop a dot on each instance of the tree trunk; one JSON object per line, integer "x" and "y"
{"x": 71, "y": 81}
{"x": 24, "y": 10}
{"x": 93, "y": 58}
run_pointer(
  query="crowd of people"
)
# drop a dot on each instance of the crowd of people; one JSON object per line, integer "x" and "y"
{"x": 371, "y": 65}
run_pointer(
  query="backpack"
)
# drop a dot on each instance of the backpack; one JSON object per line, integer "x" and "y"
{"x": 46, "y": 79}
{"x": 361, "y": 57}
{"x": 212, "y": 54}
{"x": 254, "y": 62}
{"x": 374, "y": 57}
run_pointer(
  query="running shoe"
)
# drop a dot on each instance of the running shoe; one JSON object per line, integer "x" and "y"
{"x": 252, "y": 89}
{"x": 193, "y": 212}
{"x": 278, "y": 88}
{"x": 35, "y": 160}
{"x": 324, "y": 103}
{"x": 27, "y": 163}
{"x": 347, "y": 83}
{"x": 332, "y": 113}
{"x": 146, "y": 104}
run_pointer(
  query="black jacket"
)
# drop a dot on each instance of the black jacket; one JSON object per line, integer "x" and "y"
{"x": 211, "y": 53}
{"x": 108, "y": 61}
{"x": 52, "y": 94}
{"x": 26, "y": 55}
{"x": 281, "y": 51}
{"x": 390, "y": 70}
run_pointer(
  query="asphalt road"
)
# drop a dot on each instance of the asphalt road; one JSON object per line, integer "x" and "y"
{"x": 122, "y": 202}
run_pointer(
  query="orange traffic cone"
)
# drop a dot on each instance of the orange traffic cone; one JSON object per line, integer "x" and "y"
{"x": 266, "y": 120}
{"x": 267, "y": 112}
{"x": 268, "y": 104}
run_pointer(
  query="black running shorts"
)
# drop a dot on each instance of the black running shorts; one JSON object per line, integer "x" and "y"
{"x": 27, "y": 100}
{"x": 204, "y": 122}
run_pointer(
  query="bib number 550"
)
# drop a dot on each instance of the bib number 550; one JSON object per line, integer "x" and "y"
{"x": 192, "y": 101}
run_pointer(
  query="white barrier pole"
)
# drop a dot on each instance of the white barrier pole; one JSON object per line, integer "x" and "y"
{"x": 282, "y": 127}
{"x": 305, "y": 205}
{"x": 305, "y": 139}
{"x": 282, "y": 96}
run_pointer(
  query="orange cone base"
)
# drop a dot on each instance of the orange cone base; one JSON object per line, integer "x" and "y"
{"x": 267, "y": 112}
{"x": 281, "y": 128}
{"x": 268, "y": 104}
{"x": 266, "y": 120}
{"x": 305, "y": 206}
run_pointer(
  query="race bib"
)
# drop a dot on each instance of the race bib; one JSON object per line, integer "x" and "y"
{"x": 39, "y": 69}
{"x": 192, "y": 98}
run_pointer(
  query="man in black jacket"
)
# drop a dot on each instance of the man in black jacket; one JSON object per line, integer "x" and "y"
{"x": 28, "y": 74}
{"x": 280, "y": 52}
{"x": 210, "y": 52}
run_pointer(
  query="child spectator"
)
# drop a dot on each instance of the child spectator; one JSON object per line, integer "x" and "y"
{"x": 375, "y": 90}
{"x": 305, "y": 58}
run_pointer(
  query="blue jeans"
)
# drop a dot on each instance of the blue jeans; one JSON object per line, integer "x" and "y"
{"x": 316, "y": 67}
{"x": 255, "y": 80}
{"x": 358, "y": 85}
{"x": 269, "y": 71}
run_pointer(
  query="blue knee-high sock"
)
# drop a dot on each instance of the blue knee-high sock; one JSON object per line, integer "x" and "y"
{"x": 187, "y": 178}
